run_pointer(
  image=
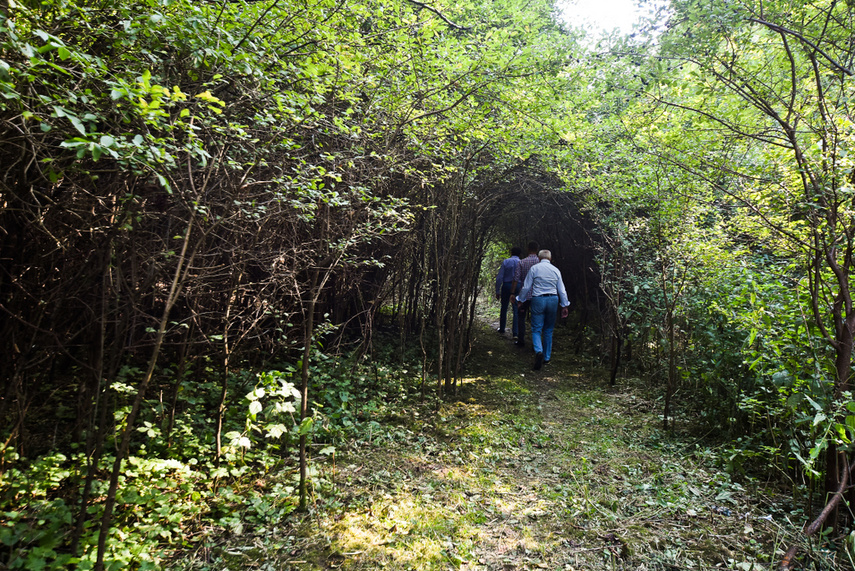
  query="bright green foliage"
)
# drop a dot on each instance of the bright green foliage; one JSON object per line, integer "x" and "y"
{"x": 716, "y": 162}
{"x": 226, "y": 149}
{"x": 272, "y": 405}
{"x": 165, "y": 493}
{"x": 772, "y": 84}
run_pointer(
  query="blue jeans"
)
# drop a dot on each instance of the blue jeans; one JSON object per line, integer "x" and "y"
{"x": 503, "y": 313}
{"x": 544, "y": 312}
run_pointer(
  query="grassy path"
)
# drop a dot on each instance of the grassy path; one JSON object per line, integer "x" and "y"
{"x": 527, "y": 470}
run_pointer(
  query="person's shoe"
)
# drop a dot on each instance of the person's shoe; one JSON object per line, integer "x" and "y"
{"x": 500, "y": 331}
{"x": 519, "y": 343}
{"x": 538, "y": 361}
{"x": 545, "y": 362}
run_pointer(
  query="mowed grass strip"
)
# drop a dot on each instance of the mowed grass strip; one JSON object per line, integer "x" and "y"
{"x": 532, "y": 470}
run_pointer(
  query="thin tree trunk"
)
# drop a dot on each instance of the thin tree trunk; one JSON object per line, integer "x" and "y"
{"x": 308, "y": 331}
{"x": 671, "y": 382}
{"x": 224, "y": 391}
{"x": 184, "y": 262}
{"x": 173, "y": 401}
{"x": 616, "y": 350}
{"x": 92, "y": 458}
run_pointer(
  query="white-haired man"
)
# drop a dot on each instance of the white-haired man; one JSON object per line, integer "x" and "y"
{"x": 544, "y": 286}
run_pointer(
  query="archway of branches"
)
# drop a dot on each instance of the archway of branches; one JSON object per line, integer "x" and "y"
{"x": 555, "y": 218}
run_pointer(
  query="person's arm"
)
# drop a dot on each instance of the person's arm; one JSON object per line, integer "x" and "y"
{"x": 563, "y": 301}
{"x": 516, "y": 279}
{"x": 499, "y": 277}
{"x": 526, "y": 286}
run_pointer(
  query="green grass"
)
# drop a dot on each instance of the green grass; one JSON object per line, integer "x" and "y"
{"x": 525, "y": 470}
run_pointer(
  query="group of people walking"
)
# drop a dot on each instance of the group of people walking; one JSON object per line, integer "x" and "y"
{"x": 531, "y": 286}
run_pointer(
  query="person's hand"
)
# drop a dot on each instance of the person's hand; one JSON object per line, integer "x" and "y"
{"x": 514, "y": 299}
{"x": 565, "y": 311}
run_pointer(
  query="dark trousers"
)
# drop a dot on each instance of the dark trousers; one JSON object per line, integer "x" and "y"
{"x": 505, "y": 298}
{"x": 522, "y": 313}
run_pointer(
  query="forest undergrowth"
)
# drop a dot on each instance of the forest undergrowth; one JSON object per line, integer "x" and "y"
{"x": 523, "y": 470}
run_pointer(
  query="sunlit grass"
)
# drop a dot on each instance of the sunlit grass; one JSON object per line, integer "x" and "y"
{"x": 527, "y": 471}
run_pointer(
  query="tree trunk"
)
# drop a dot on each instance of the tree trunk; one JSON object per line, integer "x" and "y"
{"x": 184, "y": 263}
{"x": 671, "y": 381}
{"x": 616, "y": 350}
{"x": 308, "y": 332}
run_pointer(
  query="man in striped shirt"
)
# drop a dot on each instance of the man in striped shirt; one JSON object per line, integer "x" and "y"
{"x": 519, "y": 278}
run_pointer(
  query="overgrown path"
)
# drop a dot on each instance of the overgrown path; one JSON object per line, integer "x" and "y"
{"x": 526, "y": 470}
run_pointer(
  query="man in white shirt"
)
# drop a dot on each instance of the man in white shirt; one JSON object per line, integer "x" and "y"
{"x": 544, "y": 286}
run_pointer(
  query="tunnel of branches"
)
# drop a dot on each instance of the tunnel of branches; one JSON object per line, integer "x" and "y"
{"x": 91, "y": 279}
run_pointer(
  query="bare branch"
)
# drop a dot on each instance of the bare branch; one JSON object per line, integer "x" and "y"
{"x": 788, "y": 562}
{"x": 438, "y": 13}
{"x": 783, "y": 30}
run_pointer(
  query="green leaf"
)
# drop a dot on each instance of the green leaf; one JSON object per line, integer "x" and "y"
{"x": 842, "y": 433}
{"x": 813, "y": 403}
{"x": 276, "y": 430}
{"x": 78, "y": 124}
{"x": 165, "y": 184}
{"x": 305, "y": 426}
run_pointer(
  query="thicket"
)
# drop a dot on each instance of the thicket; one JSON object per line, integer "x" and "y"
{"x": 710, "y": 190}
{"x": 717, "y": 168}
{"x": 200, "y": 201}
{"x": 209, "y": 210}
